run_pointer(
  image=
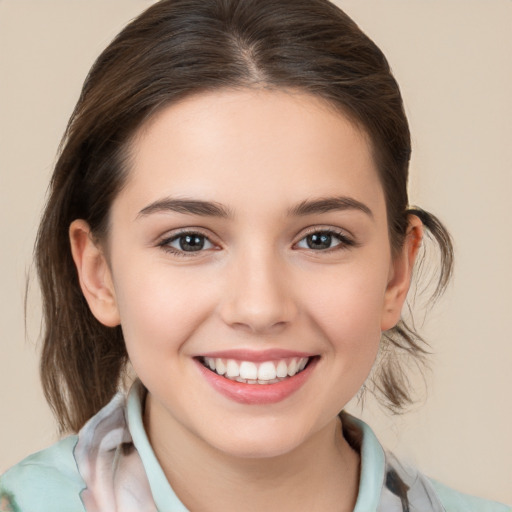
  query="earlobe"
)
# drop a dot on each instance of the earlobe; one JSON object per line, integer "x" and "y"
{"x": 401, "y": 274}
{"x": 94, "y": 274}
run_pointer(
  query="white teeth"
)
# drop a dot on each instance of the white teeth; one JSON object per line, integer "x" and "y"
{"x": 292, "y": 367}
{"x": 232, "y": 368}
{"x": 248, "y": 370}
{"x": 282, "y": 369}
{"x": 267, "y": 372}
{"x": 220, "y": 367}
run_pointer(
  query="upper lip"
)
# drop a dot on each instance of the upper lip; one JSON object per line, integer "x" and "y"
{"x": 256, "y": 355}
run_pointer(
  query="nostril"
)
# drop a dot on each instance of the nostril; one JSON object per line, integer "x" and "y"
{"x": 257, "y": 303}
{"x": 255, "y": 325}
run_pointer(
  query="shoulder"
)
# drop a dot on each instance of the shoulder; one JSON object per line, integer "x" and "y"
{"x": 386, "y": 483}
{"x": 45, "y": 481}
{"x": 454, "y": 501}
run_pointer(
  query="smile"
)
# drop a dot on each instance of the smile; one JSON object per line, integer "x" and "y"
{"x": 257, "y": 378}
{"x": 249, "y": 372}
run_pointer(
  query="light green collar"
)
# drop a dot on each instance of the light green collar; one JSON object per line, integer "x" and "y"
{"x": 372, "y": 460}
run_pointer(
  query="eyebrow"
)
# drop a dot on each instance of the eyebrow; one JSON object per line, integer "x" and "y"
{"x": 329, "y": 204}
{"x": 187, "y": 206}
{"x": 214, "y": 209}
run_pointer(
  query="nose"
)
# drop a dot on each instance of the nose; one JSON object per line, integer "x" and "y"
{"x": 258, "y": 297}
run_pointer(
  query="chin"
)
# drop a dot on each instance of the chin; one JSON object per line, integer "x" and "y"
{"x": 251, "y": 449}
{"x": 259, "y": 441}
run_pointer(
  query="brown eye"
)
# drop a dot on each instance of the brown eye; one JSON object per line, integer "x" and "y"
{"x": 319, "y": 241}
{"x": 324, "y": 240}
{"x": 187, "y": 242}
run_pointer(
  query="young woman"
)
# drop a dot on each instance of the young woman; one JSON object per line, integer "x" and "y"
{"x": 228, "y": 227}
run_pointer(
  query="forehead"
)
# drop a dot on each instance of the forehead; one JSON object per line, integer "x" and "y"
{"x": 253, "y": 149}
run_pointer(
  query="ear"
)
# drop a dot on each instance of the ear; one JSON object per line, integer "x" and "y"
{"x": 401, "y": 273}
{"x": 94, "y": 274}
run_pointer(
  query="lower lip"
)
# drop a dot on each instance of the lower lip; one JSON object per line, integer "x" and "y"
{"x": 256, "y": 394}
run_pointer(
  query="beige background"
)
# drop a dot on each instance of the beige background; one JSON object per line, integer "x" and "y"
{"x": 452, "y": 59}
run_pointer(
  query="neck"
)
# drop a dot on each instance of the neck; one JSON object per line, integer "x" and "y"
{"x": 320, "y": 474}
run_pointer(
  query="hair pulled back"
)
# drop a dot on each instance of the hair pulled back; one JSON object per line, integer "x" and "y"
{"x": 174, "y": 49}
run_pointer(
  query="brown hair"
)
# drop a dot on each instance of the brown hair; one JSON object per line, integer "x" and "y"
{"x": 174, "y": 49}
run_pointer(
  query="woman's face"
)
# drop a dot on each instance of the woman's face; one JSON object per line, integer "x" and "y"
{"x": 251, "y": 238}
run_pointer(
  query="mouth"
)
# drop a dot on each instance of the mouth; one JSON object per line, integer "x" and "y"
{"x": 256, "y": 373}
{"x": 257, "y": 378}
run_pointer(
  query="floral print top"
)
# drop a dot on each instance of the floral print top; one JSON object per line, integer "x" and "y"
{"x": 110, "y": 466}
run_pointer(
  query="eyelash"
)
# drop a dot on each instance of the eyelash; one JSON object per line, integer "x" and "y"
{"x": 344, "y": 241}
{"x": 164, "y": 244}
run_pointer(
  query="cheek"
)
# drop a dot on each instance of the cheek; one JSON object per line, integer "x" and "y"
{"x": 346, "y": 312}
{"x": 349, "y": 303}
{"x": 159, "y": 311}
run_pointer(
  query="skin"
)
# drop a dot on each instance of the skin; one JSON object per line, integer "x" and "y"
{"x": 256, "y": 285}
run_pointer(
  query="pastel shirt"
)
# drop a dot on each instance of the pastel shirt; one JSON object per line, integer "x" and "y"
{"x": 110, "y": 466}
